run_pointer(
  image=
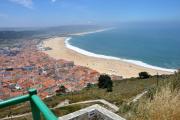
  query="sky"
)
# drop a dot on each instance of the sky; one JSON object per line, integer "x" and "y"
{"x": 38, "y": 13}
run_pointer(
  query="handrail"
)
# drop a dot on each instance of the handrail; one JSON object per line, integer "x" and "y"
{"x": 37, "y": 105}
{"x": 14, "y": 101}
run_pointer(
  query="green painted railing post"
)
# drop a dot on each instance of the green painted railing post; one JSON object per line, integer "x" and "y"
{"x": 34, "y": 108}
{"x": 37, "y": 105}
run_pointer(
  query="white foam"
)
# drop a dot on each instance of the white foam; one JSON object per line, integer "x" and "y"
{"x": 136, "y": 62}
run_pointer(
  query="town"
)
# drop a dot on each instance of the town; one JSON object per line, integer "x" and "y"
{"x": 27, "y": 67}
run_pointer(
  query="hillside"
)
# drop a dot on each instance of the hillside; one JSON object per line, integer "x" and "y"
{"x": 123, "y": 92}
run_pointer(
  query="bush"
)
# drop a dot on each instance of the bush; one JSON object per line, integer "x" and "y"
{"x": 109, "y": 86}
{"x": 105, "y": 81}
{"x": 144, "y": 75}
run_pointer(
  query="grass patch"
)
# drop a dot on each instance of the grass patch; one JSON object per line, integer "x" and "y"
{"x": 123, "y": 91}
{"x": 165, "y": 105}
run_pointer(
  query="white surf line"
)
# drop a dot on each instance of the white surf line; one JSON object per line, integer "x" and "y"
{"x": 135, "y": 62}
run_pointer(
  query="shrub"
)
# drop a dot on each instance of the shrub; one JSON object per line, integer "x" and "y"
{"x": 105, "y": 81}
{"x": 109, "y": 86}
{"x": 144, "y": 75}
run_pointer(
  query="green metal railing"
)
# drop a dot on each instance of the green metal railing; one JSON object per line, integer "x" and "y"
{"x": 37, "y": 105}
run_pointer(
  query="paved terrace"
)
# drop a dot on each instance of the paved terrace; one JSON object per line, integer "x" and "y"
{"x": 92, "y": 112}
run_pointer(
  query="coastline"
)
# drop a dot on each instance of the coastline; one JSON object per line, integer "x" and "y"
{"x": 136, "y": 62}
{"x": 61, "y": 49}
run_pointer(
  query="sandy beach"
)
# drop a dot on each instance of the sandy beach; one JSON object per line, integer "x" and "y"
{"x": 115, "y": 67}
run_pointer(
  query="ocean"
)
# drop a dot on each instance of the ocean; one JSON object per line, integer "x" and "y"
{"x": 153, "y": 46}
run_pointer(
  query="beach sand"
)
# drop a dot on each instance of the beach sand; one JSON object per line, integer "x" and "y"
{"x": 115, "y": 67}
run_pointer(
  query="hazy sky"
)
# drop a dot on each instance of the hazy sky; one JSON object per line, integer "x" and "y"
{"x": 21, "y": 13}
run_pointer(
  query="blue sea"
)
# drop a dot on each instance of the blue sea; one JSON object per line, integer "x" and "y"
{"x": 153, "y": 45}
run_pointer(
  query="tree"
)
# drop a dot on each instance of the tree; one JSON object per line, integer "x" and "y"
{"x": 144, "y": 75}
{"x": 105, "y": 81}
{"x": 101, "y": 81}
{"x": 109, "y": 86}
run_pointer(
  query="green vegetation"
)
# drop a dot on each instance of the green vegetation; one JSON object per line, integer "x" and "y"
{"x": 162, "y": 102}
{"x": 15, "y": 110}
{"x": 144, "y": 75}
{"x": 165, "y": 105}
{"x": 89, "y": 85}
{"x": 123, "y": 92}
{"x": 105, "y": 81}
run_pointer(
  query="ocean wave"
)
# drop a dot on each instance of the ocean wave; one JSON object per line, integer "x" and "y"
{"x": 135, "y": 62}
